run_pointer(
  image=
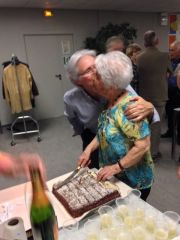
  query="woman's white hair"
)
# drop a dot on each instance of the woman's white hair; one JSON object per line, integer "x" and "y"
{"x": 115, "y": 69}
{"x": 71, "y": 67}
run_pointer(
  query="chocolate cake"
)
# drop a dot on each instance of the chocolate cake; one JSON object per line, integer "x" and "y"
{"x": 84, "y": 193}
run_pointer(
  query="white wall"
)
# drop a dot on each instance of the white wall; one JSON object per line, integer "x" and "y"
{"x": 17, "y": 22}
{"x": 141, "y": 21}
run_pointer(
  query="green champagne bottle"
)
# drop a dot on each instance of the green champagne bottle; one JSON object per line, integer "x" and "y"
{"x": 42, "y": 215}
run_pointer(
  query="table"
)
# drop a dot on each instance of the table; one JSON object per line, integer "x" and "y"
{"x": 16, "y": 201}
{"x": 130, "y": 218}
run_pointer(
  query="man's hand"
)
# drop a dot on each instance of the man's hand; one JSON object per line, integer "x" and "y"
{"x": 83, "y": 160}
{"x": 11, "y": 166}
{"x": 30, "y": 161}
{"x": 139, "y": 109}
{"x": 8, "y": 164}
{"x": 107, "y": 172}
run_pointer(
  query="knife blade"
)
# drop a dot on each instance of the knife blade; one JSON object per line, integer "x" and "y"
{"x": 60, "y": 184}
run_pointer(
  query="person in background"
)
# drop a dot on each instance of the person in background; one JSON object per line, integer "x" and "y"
{"x": 83, "y": 104}
{"x": 132, "y": 51}
{"x": 178, "y": 77}
{"x": 115, "y": 43}
{"x": 178, "y": 171}
{"x": 124, "y": 146}
{"x": 173, "y": 91}
{"x": 15, "y": 166}
{"x": 153, "y": 66}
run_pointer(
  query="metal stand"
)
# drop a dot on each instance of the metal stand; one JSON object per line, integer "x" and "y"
{"x": 173, "y": 148}
{"x": 23, "y": 116}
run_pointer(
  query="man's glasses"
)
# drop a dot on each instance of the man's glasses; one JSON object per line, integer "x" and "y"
{"x": 89, "y": 70}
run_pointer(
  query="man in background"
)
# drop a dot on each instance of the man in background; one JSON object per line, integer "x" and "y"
{"x": 115, "y": 43}
{"x": 153, "y": 66}
{"x": 173, "y": 91}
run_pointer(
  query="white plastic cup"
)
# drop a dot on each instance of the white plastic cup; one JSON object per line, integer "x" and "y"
{"x": 171, "y": 219}
{"x": 133, "y": 197}
{"x": 150, "y": 223}
{"x": 161, "y": 234}
{"x": 134, "y": 192}
{"x": 122, "y": 211}
{"x": 106, "y": 217}
{"x": 139, "y": 233}
{"x": 124, "y": 235}
{"x": 91, "y": 230}
{"x": 70, "y": 227}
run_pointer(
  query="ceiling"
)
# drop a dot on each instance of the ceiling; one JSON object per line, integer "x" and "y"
{"x": 169, "y": 6}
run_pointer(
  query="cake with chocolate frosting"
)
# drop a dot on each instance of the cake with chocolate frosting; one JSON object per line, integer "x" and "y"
{"x": 84, "y": 193}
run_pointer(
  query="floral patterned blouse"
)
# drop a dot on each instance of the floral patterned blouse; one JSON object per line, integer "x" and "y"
{"x": 116, "y": 136}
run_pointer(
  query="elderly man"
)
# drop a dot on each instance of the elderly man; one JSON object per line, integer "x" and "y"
{"x": 115, "y": 43}
{"x": 83, "y": 104}
{"x": 152, "y": 67}
{"x": 173, "y": 90}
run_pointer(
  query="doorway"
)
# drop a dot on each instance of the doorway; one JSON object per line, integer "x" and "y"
{"x": 47, "y": 56}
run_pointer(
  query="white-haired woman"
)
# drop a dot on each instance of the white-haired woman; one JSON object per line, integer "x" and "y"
{"x": 123, "y": 145}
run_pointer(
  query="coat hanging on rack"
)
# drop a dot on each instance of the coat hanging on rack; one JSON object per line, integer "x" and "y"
{"x": 27, "y": 87}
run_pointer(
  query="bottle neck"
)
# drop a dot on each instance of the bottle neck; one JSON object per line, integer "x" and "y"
{"x": 39, "y": 197}
{"x": 36, "y": 180}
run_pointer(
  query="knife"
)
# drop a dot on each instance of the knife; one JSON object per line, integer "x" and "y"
{"x": 60, "y": 184}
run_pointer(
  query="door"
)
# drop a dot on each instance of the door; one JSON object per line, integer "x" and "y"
{"x": 46, "y": 56}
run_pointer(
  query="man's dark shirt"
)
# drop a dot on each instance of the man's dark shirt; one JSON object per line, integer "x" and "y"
{"x": 172, "y": 83}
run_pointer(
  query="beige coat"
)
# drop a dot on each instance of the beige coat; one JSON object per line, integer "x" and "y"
{"x": 13, "y": 92}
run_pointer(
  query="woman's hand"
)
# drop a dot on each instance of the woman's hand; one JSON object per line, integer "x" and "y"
{"x": 84, "y": 160}
{"x": 139, "y": 109}
{"x": 108, "y": 171}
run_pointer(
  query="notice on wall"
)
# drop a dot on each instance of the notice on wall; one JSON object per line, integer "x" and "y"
{"x": 66, "y": 47}
{"x": 174, "y": 28}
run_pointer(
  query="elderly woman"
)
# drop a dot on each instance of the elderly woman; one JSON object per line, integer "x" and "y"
{"x": 123, "y": 144}
{"x": 132, "y": 52}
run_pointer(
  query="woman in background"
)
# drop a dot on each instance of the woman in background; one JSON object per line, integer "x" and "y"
{"x": 132, "y": 51}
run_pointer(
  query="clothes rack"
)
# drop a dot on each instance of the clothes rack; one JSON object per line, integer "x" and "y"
{"x": 23, "y": 117}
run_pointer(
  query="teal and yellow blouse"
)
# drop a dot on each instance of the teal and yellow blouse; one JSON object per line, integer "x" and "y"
{"x": 116, "y": 136}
